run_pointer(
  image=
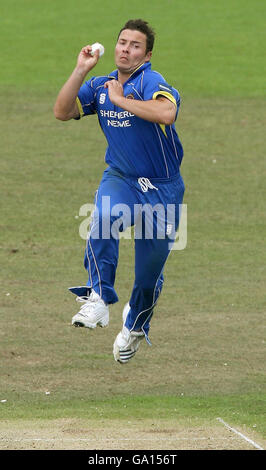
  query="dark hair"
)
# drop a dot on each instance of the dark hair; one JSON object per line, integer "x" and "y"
{"x": 143, "y": 27}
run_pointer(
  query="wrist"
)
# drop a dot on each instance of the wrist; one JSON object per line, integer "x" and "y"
{"x": 80, "y": 71}
{"x": 120, "y": 101}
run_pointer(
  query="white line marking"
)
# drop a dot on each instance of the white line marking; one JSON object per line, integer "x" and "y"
{"x": 240, "y": 434}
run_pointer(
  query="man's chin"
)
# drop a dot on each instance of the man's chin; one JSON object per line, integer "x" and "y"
{"x": 123, "y": 67}
{"x": 126, "y": 69}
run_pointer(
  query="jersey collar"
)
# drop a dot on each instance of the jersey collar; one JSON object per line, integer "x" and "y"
{"x": 145, "y": 66}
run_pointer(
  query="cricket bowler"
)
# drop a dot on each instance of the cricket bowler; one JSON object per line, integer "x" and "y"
{"x": 141, "y": 186}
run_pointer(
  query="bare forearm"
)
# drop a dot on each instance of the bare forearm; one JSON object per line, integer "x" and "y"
{"x": 160, "y": 111}
{"x": 65, "y": 107}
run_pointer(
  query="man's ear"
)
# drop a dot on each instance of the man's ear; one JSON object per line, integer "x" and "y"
{"x": 148, "y": 56}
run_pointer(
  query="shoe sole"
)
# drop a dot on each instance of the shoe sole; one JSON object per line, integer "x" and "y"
{"x": 91, "y": 326}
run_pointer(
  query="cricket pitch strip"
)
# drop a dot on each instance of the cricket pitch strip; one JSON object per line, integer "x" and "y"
{"x": 141, "y": 434}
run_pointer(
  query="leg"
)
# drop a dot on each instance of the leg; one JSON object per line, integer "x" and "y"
{"x": 101, "y": 256}
{"x": 150, "y": 258}
{"x": 113, "y": 213}
{"x": 151, "y": 253}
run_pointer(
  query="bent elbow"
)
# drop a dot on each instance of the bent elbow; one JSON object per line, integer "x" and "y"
{"x": 168, "y": 117}
{"x": 60, "y": 116}
{"x": 167, "y": 120}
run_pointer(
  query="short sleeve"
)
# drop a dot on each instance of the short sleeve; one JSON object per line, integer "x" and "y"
{"x": 86, "y": 99}
{"x": 154, "y": 85}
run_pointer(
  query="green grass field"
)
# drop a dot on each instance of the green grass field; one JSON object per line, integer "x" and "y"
{"x": 207, "y": 358}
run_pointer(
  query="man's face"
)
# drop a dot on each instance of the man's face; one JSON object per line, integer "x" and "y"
{"x": 130, "y": 51}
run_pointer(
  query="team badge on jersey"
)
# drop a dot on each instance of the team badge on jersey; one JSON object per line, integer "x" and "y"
{"x": 102, "y": 98}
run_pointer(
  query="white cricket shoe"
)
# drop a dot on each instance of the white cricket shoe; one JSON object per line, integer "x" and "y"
{"x": 127, "y": 342}
{"x": 93, "y": 312}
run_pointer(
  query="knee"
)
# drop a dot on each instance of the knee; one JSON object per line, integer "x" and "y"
{"x": 106, "y": 225}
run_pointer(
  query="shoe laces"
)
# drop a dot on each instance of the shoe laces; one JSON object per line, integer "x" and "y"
{"x": 89, "y": 301}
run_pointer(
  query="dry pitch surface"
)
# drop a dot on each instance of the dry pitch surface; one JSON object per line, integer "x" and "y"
{"x": 76, "y": 434}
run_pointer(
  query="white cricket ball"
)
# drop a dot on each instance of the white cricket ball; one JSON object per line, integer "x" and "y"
{"x": 96, "y": 46}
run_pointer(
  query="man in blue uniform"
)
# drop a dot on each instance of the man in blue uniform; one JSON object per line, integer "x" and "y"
{"x": 141, "y": 186}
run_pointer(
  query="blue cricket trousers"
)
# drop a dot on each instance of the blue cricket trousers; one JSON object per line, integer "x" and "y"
{"x": 152, "y": 206}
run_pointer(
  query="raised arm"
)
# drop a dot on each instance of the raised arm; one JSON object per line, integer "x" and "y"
{"x": 66, "y": 107}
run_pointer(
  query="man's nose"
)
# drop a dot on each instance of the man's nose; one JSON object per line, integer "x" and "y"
{"x": 125, "y": 47}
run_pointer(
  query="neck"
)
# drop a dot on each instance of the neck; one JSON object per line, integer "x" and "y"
{"x": 124, "y": 76}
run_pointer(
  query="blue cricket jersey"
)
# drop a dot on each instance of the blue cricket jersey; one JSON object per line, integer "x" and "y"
{"x": 136, "y": 147}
